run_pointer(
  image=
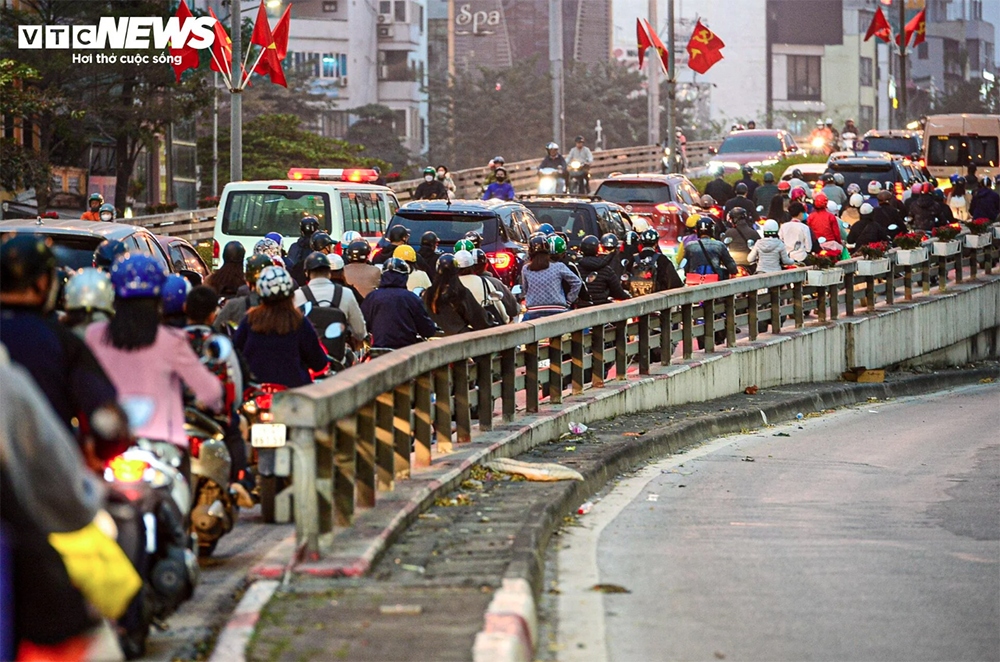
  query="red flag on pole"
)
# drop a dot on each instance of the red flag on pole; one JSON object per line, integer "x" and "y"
{"x": 280, "y": 33}
{"x": 222, "y": 48}
{"x": 917, "y": 26}
{"x": 267, "y": 63}
{"x": 188, "y": 54}
{"x": 657, "y": 44}
{"x": 879, "y": 27}
{"x": 704, "y": 49}
{"x": 642, "y": 35}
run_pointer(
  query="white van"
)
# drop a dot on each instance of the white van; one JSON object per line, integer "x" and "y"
{"x": 952, "y": 142}
{"x": 341, "y": 198}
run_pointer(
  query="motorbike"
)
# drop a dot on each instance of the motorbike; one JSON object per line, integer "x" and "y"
{"x": 578, "y": 178}
{"x": 270, "y": 458}
{"x": 551, "y": 181}
{"x": 215, "y": 511}
{"x": 848, "y": 142}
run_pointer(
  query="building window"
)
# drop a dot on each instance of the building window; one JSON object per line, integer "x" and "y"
{"x": 865, "y": 71}
{"x": 394, "y": 65}
{"x": 804, "y": 82}
{"x": 399, "y": 123}
{"x": 972, "y": 48}
{"x": 401, "y": 11}
{"x": 866, "y": 117}
{"x": 864, "y": 20}
{"x": 333, "y": 65}
{"x": 384, "y": 7}
{"x": 922, "y": 51}
{"x": 336, "y": 123}
{"x": 331, "y": 6}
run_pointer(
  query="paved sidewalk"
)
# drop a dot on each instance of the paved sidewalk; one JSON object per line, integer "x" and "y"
{"x": 425, "y": 599}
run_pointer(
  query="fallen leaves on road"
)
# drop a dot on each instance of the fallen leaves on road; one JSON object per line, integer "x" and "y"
{"x": 632, "y": 434}
{"x": 569, "y": 449}
{"x": 986, "y": 380}
{"x": 457, "y": 500}
{"x": 750, "y": 390}
{"x": 609, "y": 588}
{"x": 781, "y": 434}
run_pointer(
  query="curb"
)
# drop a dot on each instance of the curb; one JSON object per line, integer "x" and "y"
{"x": 232, "y": 643}
{"x": 510, "y": 624}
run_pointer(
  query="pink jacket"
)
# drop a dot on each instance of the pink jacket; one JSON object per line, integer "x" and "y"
{"x": 149, "y": 381}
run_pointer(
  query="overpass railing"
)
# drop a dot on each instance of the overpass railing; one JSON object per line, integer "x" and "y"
{"x": 351, "y": 435}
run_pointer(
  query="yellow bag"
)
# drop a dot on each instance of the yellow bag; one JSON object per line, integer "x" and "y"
{"x": 98, "y": 567}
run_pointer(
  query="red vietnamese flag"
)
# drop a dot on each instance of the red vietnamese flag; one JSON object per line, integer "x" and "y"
{"x": 280, "y": 33}
{"x": 917, "y": 26}
{"x": 188, "y": 54}
{"x": 222, "y": 48}
{"x": 643, "y": 38}
{"x": 268, "y": 63}
{"x": 704, "y": 49}
{"x": 661, "y": 50}
{"x": 879, "y": 27}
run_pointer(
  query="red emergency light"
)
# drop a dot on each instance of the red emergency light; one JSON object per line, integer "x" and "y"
{"x": 356, "y": 175}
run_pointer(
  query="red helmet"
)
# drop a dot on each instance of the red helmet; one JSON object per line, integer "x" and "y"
{"x": 820, "y": 201}
{"x": 784, "y": 186}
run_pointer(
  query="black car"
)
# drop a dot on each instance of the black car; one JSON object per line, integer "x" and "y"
{"x": 579, "y": 217}
{"x": 905, "y": 143}
{"x": 881, "y": 167}
{"x": 504, "y": 225}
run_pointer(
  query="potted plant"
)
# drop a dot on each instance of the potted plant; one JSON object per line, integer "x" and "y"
{"x": 980, "y": 235}
{"x": 909, "y": 250}
{"x": 824, "y": 274}
{"x": 945, "y": 242}
{"x": 874, "y": 260}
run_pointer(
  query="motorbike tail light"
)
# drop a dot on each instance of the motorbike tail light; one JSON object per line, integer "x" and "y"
{"x": 127, "y": 471}
{"x": 263, "y": 401}
{"x": 194, "y": 444}
{"x": 501, "y": 260}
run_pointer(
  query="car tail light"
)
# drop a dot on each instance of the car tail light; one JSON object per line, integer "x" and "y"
{"x": 501, "y": 260}
{"x": 667, "y": 208}
{"x": 127, "y": 471}
{"x": 215, "y": 249}
{"x": 899, "y": 190}
{"x": 194, "y": 444}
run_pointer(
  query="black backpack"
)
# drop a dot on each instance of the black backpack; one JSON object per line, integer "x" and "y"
{"x": 323, "y": 316}
{"x": 642, "y": 275}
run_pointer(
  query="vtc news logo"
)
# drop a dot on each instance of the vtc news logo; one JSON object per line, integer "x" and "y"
{"x": 121, "y": 34}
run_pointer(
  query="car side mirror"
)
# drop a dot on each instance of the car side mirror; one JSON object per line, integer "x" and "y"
{"x": 192, "y": 277}
{"x": 713, "y": 150}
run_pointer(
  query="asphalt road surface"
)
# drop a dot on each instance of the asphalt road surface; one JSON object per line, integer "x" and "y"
{"x": 871, "y": 533}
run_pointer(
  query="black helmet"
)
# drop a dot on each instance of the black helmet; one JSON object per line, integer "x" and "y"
{"x": 429, "y": 239}
{"x": 747, "y": 169}
{"x": 741, "y": 188}
{"x": 538, "y": 243}
{"x": 95, "y": 197}
{"x": 23, "y": 259}
{"x": 233, "y": 252}
{"x": 321, "y": 240}
{"x": 446, "y": 265}
{"x": 475, "y": 238}
{"x": 610, "y": 242}
{"x": 398, "y": 233}
{"x": 631, "y": 238}
{"x": 357, "y": 251}
{"x": 106, "y": 253}
{"x": 590, "y": 245}
{"x": 498, "y": 160}
{"x": 736, "y": 214}
{"x": 704, "y": 227}
{"x": 396, "y": 264}
{"x": 480, "y": 256}
{"x": 768, "y": 177}
{"x": 316, "y": 260}
{"x": 579, "y": 139}
{"x": 706, "y": 201}
{"x": 826, "y": 177}
{"x": 797, "y": 174}
{"x": 255, "y": 265}
{"x": 308, "y": 225}
{"x": 649, "y": 238}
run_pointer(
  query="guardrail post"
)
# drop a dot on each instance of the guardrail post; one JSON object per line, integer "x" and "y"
{"x": 442, "y": 409}
{"x": 908, "y": 283}
{"x": 531, "y": 377}
{"x": 849, "y": 293}
{"x": 345, "y": 468}
{"x": 643, "y": 344}
{"x": 942, "y": 265}
{"x": 988, "y": 254}
{"x": 402, "y": 396}
{"x": 463, "y": 417}
{"x": 730, "y": 304}
{"x": 752, "y": 313}
{"x": 797, "y": 304}
{"x": 775, "y": 294}
{"x": 324, "y": 438}
{"x": 384, "y": 430}
{"x": 925, "y": 276}
{"x": 708, "y": 325}
{"x": 958, "y": 263}
{"x": 870, "y": 293}
{"x": 597, "y": 356}
{"x": 666, "y": 346}
{"x": 821, "y": 304}
{"x": 834, "y": 294}
{"x": 576, "y": 367}
{"x": 687, "y": 329}
{"x": 422, "y": 416}
{"x": 484, "y": 384}
{"x": 555, "y": 370}
{"x": 890, "y": 284}
{"x": 365, "y": 486}
{"x": 304, "y": 488}
{"x": 508, "y": 390}
{"x": 973, "y": 263}
{"x": 621, "y": 358}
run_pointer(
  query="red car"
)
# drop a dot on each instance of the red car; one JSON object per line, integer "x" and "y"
{"x": 664, "y": 201}
{"x": 757, "y": 147}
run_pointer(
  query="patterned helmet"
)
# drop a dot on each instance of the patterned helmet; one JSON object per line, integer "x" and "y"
{"x": 557, "y": 245}
{"x": 275, "y": 284}
{"x": 90, "y": 289}
{"x": 268, "y": 247}
{"x": 649, "y": 238}
{"x": 350, "y": 237}
{"x": 135, "y": 276}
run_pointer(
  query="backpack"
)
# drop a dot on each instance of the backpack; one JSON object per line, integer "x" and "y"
{"x": 323, "y": 316}
{"x": 642, "y": 275}
{"x": 493, "y": 316}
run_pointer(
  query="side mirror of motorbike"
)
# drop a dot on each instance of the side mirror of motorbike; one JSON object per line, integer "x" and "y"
{"x": 893, "y": 227}
{"x": 516, "y": 290}
{"x": 727, "y": 240}
{"x": 683, "y": 263}
{"x": 217, "y": 349}
{"x": 750, "y": 243}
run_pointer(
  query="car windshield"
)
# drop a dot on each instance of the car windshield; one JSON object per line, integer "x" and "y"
{"x": 448, "y": 227}
{"x": 863, "y": 173}
{"x": 893, "y": 145}
{"x": 962, "y": 150}
{"x": 575, "y": 222}
{"x": 255, "y": 213}
{"x": 734, "y": 144}
{"x": 631, "y": 193}
{"x": 73, "y": 251}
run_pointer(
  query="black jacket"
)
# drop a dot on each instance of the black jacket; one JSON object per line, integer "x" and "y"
{"x": 666, "y": 275}
{"x": 740, "y": 201}
{"x": 751, "y": 186}
{"x": 886, "y": 215}
{"x": 395, "y": 316}
{"x": 985, "y": 204}
{"x": 719, "y": 189}
{"x": 739, "y": 249}
{"x": 926, "y": 213}
{"x": 866, "y": 231}
{"x": 549, "y": 162}
{"x": 458, "y": 316}
{"x": 715, "y": 256}
{"x": 427, "y": 260}
{"x": 432, "y": 190}
{"x": 298, "y": 251}
{"x": 602, "y": 281}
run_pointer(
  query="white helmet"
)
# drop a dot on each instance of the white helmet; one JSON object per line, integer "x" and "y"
{"x": 866, "y": 209}
{"x": 856, "y": 200}
{"x": 552, "y": 146}
{"x": 274, "y": 283}
{"x": 770, "y": 227}
{"x": 336, "y": 262}
{"x": 829, "y": 120}
{"x": 350, "y": 236}
{"x": 464, "y": 259}
{"x": 90, "y": 289}
{"x": 639, "y": 224}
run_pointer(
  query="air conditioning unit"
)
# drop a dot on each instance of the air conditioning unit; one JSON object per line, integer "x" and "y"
{"x": 343, "y": 81}
{"x": 386, "y": 32}
{"x": 384, "y": 18}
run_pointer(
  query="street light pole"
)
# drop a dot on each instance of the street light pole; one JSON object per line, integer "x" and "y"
{"x": 902, "y": 64}
{"x": 653, "y": 85}
{"x": 671, "y": 89}
{"x": 556, "y": 66}
{"x": 236, "y": 117}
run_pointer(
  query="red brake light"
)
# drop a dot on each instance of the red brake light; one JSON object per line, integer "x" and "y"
{"x": 127, "y": 471}
{"x": 263, "y": 401}
{"x": 215, "y": 248}
{"x": 899, "y": 190}
{"x": 501, "y": 260}
{"x": 281, "y": 187}
{"x": 194, "y": 444}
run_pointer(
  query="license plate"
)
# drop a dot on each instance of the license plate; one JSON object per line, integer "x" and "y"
{"x": 268, "y": 435}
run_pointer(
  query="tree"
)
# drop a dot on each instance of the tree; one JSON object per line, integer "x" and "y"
{"x": 274, "y": 143}
{"x": 609, "y": 92}
{"x": 376, "y": 134}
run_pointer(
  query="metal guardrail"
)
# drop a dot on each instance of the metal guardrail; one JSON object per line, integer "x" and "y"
{"x": 351, "y": 435}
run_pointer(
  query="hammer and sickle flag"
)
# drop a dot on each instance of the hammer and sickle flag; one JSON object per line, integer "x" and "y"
{"x": 704, "y": 49}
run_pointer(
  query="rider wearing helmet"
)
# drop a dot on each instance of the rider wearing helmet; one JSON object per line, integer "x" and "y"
{"x": 395, "y": 316}
{"x": 235, "y": 309}
{"x": 279, "y": 344}
{"x": 558, "y": 247}
{"x": 501, "y": 188}
{"x": 428, "y": 253}
{"x": 174, "y": 294}
{"x": 89, "y": 298}
{"x": 418, "y": 279}
{"x": 719, "y": 188}
{"x": 581, "y": 154}
{"x": 741, "y": 200}
{"x": 364, "y": 277}
{"x": 484, "y": 268}
{"x": 398, "y": 235}
{"x": 707, "y": 255}
{"x": 308, "y": 226}
{"x": 822, "y": 223}
{"x": 107, "y": 252}
{"x": 769, "y": 253}
{"x": 107, "y": 213}
{"x": 321, "y": 242}
{"x": 94, "y": 203}
{"x": 347, "y": 239}
{"x": 553, "y": 159}
{"x": 452, "y": 306}
{"x": 597, "y": 270}
{"x": 742, "y": 235}
{"x": 832, "y": 191}
{"x": 651, "y": 270}
{"x": 549, "y": 286}
{"x": 229, "y": 280}
{"x": 431, "y": 188}
{"x": 321, "y": 290}
{"x": 797, "y": 181}
{"x": 749, "y": 181}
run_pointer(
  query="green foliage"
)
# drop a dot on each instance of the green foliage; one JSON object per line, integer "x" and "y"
{"x": 374, "y": 133}
{"x": 274, "y": 143}
{"x": 608, "y": 92}
{"x": 778, "y": 169}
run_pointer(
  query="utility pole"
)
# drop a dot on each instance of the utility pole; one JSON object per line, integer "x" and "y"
{"x": 236, "y": 117}
{"x": 215, "y": 134}
{"x": 556, "y": 68}
{"x": 653, "y": 85}
{"x": 902, "y": 64}
{"x": 671, "y": 89}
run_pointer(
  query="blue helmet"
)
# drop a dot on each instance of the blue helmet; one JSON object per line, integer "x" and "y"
{"x": 275, "y": 237}
{"x": 107, "y": 252}
{"x": 175, "y": 291}
{"x": 135, "y": 276}
{"x": 955, "y": 178}
{"x": 547, "y": 229}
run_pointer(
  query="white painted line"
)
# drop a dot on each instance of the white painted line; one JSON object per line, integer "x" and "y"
{"x": 232, "y": 643}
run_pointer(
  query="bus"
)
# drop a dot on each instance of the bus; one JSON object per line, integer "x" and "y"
{"x": 953, "y": 142}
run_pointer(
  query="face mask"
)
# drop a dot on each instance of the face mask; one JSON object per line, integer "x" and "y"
{"x": 428, "y": 178}
{"x": 501, "y": 177}
{"x": 106, "y": 216}
{"x": 441, "y": 174}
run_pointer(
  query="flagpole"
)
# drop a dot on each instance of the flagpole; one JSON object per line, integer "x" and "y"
{"x": 250, "y": 70}
{"x": 671, "y": 89}
{"x": 902, "y": 63}
{"x": 653, "y": 85}
{"x": 225, "y": 79}
{"x": 236, "y": 116}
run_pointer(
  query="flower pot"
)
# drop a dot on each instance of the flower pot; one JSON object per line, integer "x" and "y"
{"x": 978, "y": 240}
{"x": 910, "y": 257}
{"x": 873, "y": 267}
{"x": 946, "y": 248}
{"x": 996, "y": 231}
{"x": 824, "y": 277}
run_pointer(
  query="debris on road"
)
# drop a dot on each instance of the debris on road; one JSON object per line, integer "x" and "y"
{"x": 747, "y": 459}
{"x": 585, "y": 508}
{"x": 577, "y": 428}
{"x": 404, "y": 610}
{"x": 609, "y": 588}
{"x": 750, "y": 390}
{"x": 540, "y": 471}
{"x": 781, "y": 434}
